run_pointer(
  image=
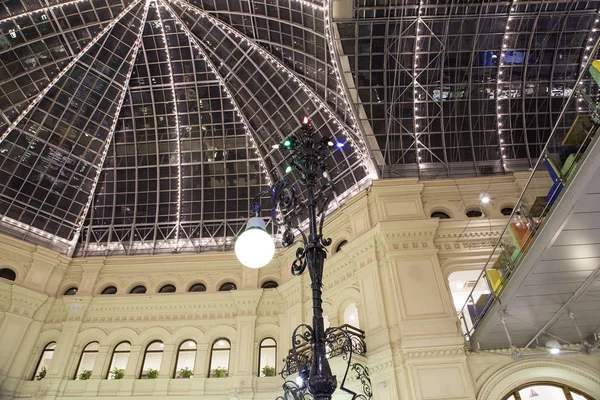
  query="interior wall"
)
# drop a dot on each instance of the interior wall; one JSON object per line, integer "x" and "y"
{"x": 394, "y": 268}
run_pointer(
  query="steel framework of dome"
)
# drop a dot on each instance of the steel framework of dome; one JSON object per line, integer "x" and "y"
{"x": 146, "y": 126}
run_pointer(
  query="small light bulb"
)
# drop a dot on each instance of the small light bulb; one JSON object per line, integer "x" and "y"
{"x": 275, "y": 146}
{"x": 288, "y": 169}
{"x": 340, "y": 145}
{"x": 485, "y": 199}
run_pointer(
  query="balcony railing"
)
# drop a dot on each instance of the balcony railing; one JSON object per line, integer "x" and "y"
{"x": 337, "y": 341}
{"x": 570, "y": 138}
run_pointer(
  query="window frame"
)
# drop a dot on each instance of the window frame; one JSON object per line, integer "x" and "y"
{"x": 83, "y": 352}
{"x": 474, "y": 210}
{"x": 70, "y": 288}
{"x": 108, "y": 287}
{"x": 115, "y": 351}
{"x": 567, "y": 390}
{"x": 212, "y": 350}
{"x": 507, "y": 208}
{"x": 146, "y": 351}
{"x": 131, "y": 291}
{"x": 44, "y": 350}
{"x": 270, "y": 282}
{"x": 227, "y": 283}
{"x": 260, "y": 348}
{"x": 446, "y": 215}
{"x": 194, "y": 285}
{"x": 179, "y": 350}
{"x": 11, "y": 270}
{"x": 339, "y": 246}
{"x": 169, "y": 285}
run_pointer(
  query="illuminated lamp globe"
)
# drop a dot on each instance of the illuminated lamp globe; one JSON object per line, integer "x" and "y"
{"x": 553, "y": 346}
{"x": 255, "y": 248}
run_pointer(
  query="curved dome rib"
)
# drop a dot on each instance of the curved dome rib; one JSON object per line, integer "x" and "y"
{"x": 215, "y": 40}
{"x": 212, "y": 159}
{"x": 56, "y": 150}
{"x": 296, "y": 34}
{"x": 51, "y": 7}
{"x": 177, "y": 127}
{"x": 36, "y": 46}
{"x": 286, "y": 70}
{"x": 66, "y": 69}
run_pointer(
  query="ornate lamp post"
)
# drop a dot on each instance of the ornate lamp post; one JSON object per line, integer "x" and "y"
{"x": 315, "y": 378}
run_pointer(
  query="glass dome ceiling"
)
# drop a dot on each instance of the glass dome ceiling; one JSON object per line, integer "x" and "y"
{"x": 146, "y": 126}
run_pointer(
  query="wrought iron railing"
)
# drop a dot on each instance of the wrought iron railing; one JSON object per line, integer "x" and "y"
{"x": 337, "y": 345}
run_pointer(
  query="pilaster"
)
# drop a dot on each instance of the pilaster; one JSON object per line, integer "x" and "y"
{"x": 21, "y": 305}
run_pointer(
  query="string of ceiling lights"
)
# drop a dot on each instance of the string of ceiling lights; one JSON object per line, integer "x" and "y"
{"x": 355, "y": 139}
{"x": 586, "y": 55}
{"x": 134, "y": 52}
{"x": 415, "y": 74}
{"x": 501, "y": 70}
{"x": 41, "y": 10}
{"x": 177, "y": 127}
{"x": 204, "y": 57}
{"x": 67, "y": 68}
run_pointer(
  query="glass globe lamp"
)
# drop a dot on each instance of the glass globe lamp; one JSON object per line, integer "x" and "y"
{"x": 255, "y": 248}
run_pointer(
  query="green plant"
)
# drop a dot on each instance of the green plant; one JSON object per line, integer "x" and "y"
{"x": 117, "y": 373}
{"x": 268, "y": 371}
{"x": 185, "y": 373}
{"x": 85, "y": 375}
{"x": 152, "y": 373}
{"x": 220, "y": 372}
{"x": 40, "y": 375}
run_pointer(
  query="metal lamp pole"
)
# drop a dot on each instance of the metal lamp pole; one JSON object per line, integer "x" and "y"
{"x": 307, "y": 159}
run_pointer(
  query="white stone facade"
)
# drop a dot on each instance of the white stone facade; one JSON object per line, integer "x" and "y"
{"x": 394, "y": 268}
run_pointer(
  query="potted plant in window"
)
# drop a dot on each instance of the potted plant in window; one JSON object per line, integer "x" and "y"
{"x": 40, "y": 375}
{"x": 185, "y": 373}
{"x": 220, "y": 372}
{"x": 268, "y": 370}
{"x": 117, "y": 373}
{"x": 85, "y": 375}
{"x": 152, "y": 373}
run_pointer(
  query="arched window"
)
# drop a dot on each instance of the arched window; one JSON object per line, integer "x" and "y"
{"x": 167, "y": 289}
{"x": 152, "y": 358}
{"x": 269, "y": 285}
{"x": 186, "y": 359}
{"x": 351, "y": 316}
{"x": 267, "y": 357}
{"x": 440, "y": 215}
{"x": 109, "y": 290}
{"x": 546, "y": 390}
{"x": 197, "y": 287}
{"x": 72, "y": 291}
{"x": 340, "y": 245}
{"x": 119, "y": 360}
{"x": 140, "y": 289}
{"x": 227, "y": 286}
{"x": 8, "y": 273}
{"x": 506, "y": 210}
{"x": 45, "y": 357}
{"x": 474, "y": 214}
{"x": 87, "y": 361}
{"x": 219, "y": 358}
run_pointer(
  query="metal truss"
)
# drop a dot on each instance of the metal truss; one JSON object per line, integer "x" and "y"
{"x": 487, "y": 79}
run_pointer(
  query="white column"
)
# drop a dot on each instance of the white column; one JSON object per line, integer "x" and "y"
{"x": 101, "y": 364}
